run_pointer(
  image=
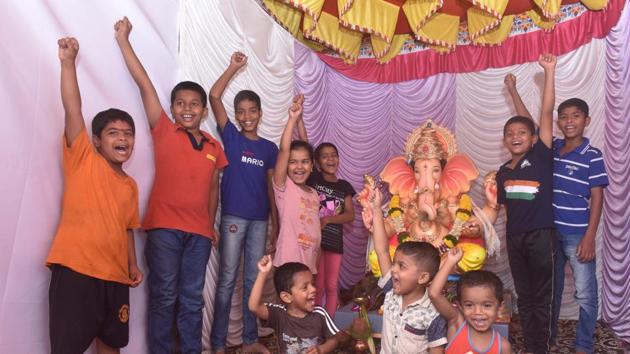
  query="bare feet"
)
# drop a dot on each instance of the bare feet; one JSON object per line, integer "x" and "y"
{"x": 255, "y": 348}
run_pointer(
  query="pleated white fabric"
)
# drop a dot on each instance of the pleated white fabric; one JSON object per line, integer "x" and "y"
{"x": 31, "y": 182}
{"x": 483, "y": 106}
{"x": 210, "y": 31}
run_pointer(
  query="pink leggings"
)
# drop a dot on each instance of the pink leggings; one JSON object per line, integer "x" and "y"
{"x": 327, "y": 280}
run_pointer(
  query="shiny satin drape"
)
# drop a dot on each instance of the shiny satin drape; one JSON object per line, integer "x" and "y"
{"x": 616, "y": 291}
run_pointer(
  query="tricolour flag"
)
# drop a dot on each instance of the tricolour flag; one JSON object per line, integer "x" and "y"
{"x": 520, "y": 189}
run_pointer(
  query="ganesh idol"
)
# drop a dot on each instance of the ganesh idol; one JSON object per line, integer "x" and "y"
{"x": 429, "y": 202}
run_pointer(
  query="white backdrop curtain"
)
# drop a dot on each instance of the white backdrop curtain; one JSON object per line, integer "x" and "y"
{"x": 31, "y": 179}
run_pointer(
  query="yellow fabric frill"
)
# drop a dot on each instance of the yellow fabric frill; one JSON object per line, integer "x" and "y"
{"x": 437, "y": 29}
{"x": 319, "y": 29}
{"x": 498, "y": 34}
{"x": 440, "y": 32}
{"x": 329, "y": 33}
{"x": 377, "y": 17}
{"x": 485, "y": 20}
{"x": 394, "y": 48}
{"x": 549, "y": 8}
{"x": 286, "y": 15}
{"x": 484, "y": 17}
{"x": 540, "y": 21}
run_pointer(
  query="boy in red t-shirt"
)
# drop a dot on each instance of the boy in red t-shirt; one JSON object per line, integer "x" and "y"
{"x": 182, "y": 206}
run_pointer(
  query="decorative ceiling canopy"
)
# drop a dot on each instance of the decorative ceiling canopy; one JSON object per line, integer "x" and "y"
{"x": 381, "y": 29}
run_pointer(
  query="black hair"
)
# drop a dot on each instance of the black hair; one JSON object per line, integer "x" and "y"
{"x": 476, "y": 278}
{"x": 101, "y": 119}
{"x": 247, "y": 95}
{"x": 302, "y": 145}
{"x": 192, "y": 86}
{"x": 283, "y": 276}
{"x": 528, "y": 122}
{"x": 426, "y": 256}
{"x": 322, "y": 146}
{"x": 574, "y": 102}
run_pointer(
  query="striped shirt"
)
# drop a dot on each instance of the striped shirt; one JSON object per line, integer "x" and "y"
{"x": 294, "y": 335}
{"x": 411, "y": 329}
{"x": 574, "y": 175}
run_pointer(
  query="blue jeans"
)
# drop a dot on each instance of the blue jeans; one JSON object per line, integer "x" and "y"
{"x": 177, "y": 268}
{"x": 585, "y": 290}
{"x": 237, "y": 235}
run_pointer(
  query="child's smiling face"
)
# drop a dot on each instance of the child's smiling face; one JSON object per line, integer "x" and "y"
{"x": 480, "y": 307}
{"x": 328, "y": 160}
{"x": 300, "y": 166}
{"x": 303, "y": 293}
{"x": 518, "y": 138}
{"x": 188, "y": 109}
{"x": 572, "y": 121}
{"x": 248, "y": 115}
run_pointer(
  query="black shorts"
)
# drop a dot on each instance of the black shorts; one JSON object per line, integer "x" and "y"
{"x": 83, "y": 308}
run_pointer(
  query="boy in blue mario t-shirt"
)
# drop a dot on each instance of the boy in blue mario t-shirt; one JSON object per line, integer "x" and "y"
{"x": 246, "y": 201}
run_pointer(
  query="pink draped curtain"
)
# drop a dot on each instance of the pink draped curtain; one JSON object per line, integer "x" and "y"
{"x": 616, "y": 288}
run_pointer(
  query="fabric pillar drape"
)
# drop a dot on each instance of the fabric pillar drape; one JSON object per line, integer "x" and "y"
{"x": 616, "y": 289}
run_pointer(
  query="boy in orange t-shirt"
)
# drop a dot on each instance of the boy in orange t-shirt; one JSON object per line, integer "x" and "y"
{"x": 182, "y": 207}
{"x": 92, "y": 258}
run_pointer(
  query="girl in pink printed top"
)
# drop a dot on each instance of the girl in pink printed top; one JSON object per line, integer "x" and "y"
{"x": 298, "y": 204}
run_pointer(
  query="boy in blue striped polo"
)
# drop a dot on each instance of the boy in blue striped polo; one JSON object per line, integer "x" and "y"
{"x": 579, "y": 176}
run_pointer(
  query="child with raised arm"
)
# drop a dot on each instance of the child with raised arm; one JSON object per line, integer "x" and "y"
{"x": 479, "y": 296}
{"x": 246, "y": 202}
{"x": 180, "y": 216}
{"x": 578, "y": 182}
{"x": 298, "y": 204}
{"x": 525, "y": 187}
{"x": 411, "y": 324}
{"x": 300, "y": 326}
{"x": 335, "y": 209}
{"x": 92, "y": 257}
